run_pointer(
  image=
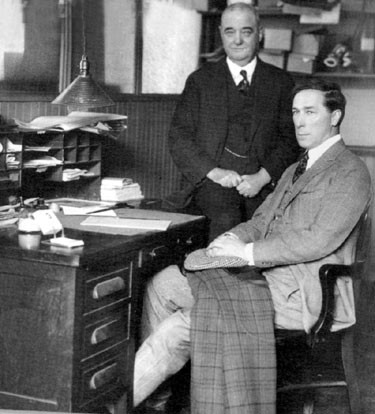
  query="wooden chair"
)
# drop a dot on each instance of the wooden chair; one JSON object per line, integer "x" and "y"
{"x": 323, "y": 359}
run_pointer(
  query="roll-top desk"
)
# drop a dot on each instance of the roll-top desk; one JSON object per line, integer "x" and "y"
{"x": 68, "y": 318}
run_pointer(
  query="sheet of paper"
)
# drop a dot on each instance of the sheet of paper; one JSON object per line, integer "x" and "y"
{"x": 65, "y": 242}
{"x": 67, "y": 123}
{"x": 80, "y": 207}
{"x": 148, "y": 224}
{"x": 76, "y": 211}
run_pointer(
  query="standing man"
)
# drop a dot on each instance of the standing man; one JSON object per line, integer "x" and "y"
{"x": 232, "y": 134}
{"x": 225, "y": 321}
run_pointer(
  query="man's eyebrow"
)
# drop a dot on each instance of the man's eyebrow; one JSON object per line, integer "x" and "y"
{"x": 295, "y": 108}
{"x": 242, "y": 28}
{"x": 303, "y": 107}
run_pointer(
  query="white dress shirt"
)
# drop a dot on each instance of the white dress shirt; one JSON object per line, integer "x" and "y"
{"x": 236, "y": 69}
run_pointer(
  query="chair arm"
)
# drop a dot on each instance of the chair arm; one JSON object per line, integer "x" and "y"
{"x": 328, "y": 275}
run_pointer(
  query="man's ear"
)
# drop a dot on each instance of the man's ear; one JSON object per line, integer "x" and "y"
{"x": 261, "y": 33}
{"x": 335, "y": 117}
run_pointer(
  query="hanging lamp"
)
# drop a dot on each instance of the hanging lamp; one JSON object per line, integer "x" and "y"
{"x": 83, "y": 93}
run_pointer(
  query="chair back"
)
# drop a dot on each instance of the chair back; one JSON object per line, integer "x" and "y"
{"x": 364, "y": 236}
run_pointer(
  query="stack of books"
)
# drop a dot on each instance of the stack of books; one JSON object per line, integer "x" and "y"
{"x": 119, "y": 189}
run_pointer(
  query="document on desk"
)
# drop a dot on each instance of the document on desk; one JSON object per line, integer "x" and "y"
{"x": 127, "y": 223}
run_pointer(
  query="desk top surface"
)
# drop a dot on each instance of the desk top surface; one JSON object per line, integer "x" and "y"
{"x": 97, "y": 240}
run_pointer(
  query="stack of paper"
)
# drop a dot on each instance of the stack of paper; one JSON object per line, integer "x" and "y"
{"x": 99, "y": 122}
{"x": 43, "y": 161}
{"x": 119, "y": 189}
{"x": 71, "y": 174}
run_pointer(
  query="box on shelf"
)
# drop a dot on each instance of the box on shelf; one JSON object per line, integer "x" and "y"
{"x": 206, "y": 5}
{"x": 301, "y": 63}
{"x": 273, "y": 58}
{"x": 268, "y": 4}
{"x": 275, "y": 38}
{"x": 306, "y": 43}
{"x": 357, "y": 5}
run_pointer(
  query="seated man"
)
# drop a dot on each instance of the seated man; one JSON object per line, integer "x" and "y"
{"x": 223, "y": 320}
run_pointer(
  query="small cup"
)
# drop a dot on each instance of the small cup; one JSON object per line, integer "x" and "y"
{"x": 29, "y": 234}
{"x": 30, "y": 240}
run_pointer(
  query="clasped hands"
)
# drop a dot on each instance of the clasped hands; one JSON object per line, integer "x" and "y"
{"x": 227, "y": 244}
{"x": 246, "y": 185}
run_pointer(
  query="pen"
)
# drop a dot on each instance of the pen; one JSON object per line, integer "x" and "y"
{"x": 117, "y": 205}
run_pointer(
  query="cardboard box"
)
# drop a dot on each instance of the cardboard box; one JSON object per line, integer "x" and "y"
{"x": 301, "y": 63}
{"x": 207, "y": 5}
{"x": 280, "y": 39}
{"x": 306, "y": 44}
{"x": 357, "y": 5}
{"x": 268, "y": 4}
{"x": 275, "y": 59}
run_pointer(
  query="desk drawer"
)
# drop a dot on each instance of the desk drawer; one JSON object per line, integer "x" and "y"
{"x": 108, "y": 288}
{"x": 172, "y": 251}
{"x": 104, "y": 377}
{"x": 186, "y": 243}
{"x": 107, "y": 331}
{"x": 156, "y": 255}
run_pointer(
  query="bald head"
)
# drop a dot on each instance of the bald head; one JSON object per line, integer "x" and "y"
{"x": 243, "y": 7}
{"x": 240, "y": 32}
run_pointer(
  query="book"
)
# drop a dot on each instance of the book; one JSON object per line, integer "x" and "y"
{"x": 127, "y": 223}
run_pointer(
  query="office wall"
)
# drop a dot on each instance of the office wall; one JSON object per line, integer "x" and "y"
{"x": 141, "y": 152}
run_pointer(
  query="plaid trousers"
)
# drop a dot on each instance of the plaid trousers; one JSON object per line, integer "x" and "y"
{"x": 232, "y": 344}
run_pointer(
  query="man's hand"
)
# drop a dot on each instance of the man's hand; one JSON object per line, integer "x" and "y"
{"x": 251, "y": 185}
{"x": 225, "y": 178}
{"x": 227, "y": 245}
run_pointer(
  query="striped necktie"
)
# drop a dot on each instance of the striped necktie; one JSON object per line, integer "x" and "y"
{"x": 244, "y": 86}
{"x": 301, "y": 167}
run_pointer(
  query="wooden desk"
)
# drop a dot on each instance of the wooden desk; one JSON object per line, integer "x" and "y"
{"x": 68, "y": 317}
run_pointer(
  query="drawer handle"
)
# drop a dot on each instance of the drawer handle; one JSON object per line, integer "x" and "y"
{"x": 108, "y": 287}
{"x": 103, "y": 376}
{"x": 189, "y": 241}
{"x": 103, "y": 332}
{"x": 157, "y": 251}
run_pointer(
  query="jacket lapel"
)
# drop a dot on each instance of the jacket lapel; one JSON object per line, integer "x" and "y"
{"x": 218, "y": 98}
{"x": 324, "y": 162}
{"x": 263, "y": 93}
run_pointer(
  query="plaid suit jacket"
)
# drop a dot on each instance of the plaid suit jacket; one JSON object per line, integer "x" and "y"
{"x": 299, "y": 228}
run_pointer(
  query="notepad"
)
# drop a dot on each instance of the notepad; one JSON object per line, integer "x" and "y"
{"x": 127, "y": 223}
{"x": 64, "y": 242}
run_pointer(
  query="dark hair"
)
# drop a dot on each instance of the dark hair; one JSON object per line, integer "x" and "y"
{"x": 334, "y": 98}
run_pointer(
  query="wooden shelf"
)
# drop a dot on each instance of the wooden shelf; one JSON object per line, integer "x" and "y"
{"x": 341, "y": 75}
{"x": 210, "y": 39}
{"x": 74, "y": 149}
{"x": 277, "y": 11}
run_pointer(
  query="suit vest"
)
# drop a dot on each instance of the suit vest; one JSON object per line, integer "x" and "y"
{"x": 240, "y": 108}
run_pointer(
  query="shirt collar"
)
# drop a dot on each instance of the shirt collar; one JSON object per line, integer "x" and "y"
{"x": 236, "y": 69}
{"x": 317, "y": 152}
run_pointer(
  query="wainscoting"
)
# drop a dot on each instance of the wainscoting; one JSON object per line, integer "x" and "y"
{"x": 140, "y": 152}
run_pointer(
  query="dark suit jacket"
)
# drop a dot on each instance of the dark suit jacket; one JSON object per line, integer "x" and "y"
{"x": 199, "y": 126}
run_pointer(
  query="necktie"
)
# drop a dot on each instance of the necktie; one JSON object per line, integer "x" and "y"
{"x": 244, "y": 86}
{"x": 301, "y": 167}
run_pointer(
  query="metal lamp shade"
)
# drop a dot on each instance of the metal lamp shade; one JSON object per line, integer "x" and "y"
{"x": 83, "y": 93}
